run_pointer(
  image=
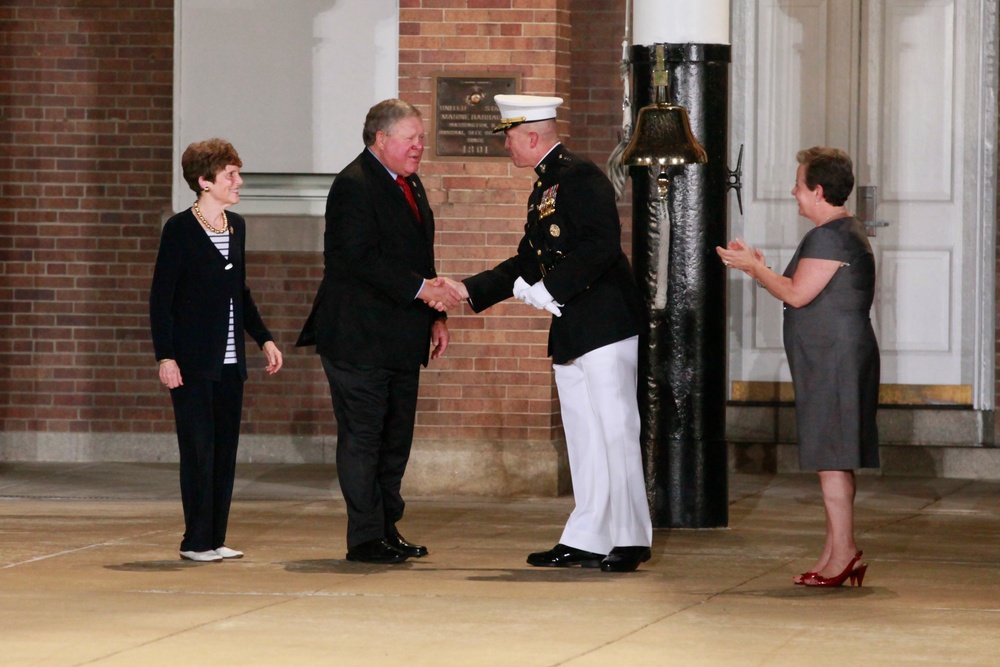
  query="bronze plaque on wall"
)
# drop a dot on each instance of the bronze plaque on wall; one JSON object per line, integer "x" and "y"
{"x": 465, "y": 115}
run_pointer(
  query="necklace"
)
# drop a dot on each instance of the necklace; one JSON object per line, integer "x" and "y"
{"x": 840, "y": 213}
{"x": 202, "y": 220}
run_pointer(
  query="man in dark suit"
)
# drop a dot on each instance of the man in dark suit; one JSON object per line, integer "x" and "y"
{"x": 373, "y": 326}
{"x": 570, "y": 263}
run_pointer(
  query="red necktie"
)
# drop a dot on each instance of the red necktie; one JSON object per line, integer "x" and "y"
{"x": 409, "y": 197}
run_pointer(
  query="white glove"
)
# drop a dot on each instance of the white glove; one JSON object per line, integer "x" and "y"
{"x": 521, "y": 288}
{"x": 536, "y": 295}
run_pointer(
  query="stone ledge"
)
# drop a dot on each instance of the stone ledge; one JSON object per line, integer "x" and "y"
{"x": 473, "y": 468}
{"x": 915, "y": 441}
{"x": 897, "y": 460}
{"x": 497, "y": 469}
{"x": 467, "y": 468}
{"x": 900, "y": 426}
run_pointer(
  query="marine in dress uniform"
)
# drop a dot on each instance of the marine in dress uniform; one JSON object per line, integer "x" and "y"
{"x": 570, "y": 262}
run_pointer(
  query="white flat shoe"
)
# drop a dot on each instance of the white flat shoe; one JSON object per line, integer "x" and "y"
{"x": 201, "y": 556}
{"x": 227, "y": 553}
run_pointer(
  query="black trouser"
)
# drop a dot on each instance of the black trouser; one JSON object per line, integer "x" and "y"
{"x": 207, "y": 414}
{"x": 375, "y": 409}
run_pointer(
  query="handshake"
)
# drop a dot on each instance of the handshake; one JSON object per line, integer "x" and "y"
{"x": 445, "y": 293}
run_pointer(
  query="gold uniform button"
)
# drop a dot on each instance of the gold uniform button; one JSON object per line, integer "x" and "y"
{"x": 539, "y": 252}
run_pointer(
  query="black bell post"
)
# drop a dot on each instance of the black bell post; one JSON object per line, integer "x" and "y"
{"x": 679, "y": 215}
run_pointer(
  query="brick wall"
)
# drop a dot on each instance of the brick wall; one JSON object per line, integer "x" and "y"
{"x": 85, "y": 185}
{"x": 84, "y": 178}
{"x": 596, "y": 116}
{"x": 296, "y": 401}
{"x": 86, "y": 135}
{"x": 495, "y": 382}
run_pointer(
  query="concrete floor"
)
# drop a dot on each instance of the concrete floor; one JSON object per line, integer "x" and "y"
{"x": 89, "y": 575}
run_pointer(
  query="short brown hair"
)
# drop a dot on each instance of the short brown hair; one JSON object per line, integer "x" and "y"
{"x": 831, "y": 168}
{"x": 205, "y": 159}
{"x": 384, "y": 115}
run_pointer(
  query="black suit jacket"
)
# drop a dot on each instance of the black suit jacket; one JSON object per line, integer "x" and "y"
{"x": 376, "y": 256}
{"x": 572, "y": 241}
{"x": 189, "y": 298}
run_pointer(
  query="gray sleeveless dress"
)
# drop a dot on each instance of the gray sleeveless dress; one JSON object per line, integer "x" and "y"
{"x": 833, "y": 354}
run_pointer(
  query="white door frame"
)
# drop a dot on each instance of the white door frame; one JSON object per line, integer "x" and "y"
{"x": 983, "y": 205}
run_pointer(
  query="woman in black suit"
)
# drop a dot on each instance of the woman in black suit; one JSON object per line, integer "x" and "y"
{"x": 199, "y": 308}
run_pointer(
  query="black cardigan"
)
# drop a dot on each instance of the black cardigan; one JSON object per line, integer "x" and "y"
{"x": 190, "y": 294}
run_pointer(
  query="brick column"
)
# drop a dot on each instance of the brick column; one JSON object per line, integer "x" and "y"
{"x": 495, "y": 383}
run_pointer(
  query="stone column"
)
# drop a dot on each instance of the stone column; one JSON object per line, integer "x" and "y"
{"x": 682, "y": 382}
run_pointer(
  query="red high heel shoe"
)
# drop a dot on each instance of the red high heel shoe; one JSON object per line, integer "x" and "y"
{"x": 805, "y": 576}
{"x": 858, "y": 573}
{"x": 853, "y": 571}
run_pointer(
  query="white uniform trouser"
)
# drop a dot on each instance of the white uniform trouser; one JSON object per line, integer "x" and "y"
{"x": 600, "y": 415}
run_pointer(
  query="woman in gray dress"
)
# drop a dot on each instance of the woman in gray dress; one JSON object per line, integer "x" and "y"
{"x": 833, "y": 356}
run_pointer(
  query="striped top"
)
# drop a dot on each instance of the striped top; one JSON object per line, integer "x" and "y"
{"x": 221, "y": 242}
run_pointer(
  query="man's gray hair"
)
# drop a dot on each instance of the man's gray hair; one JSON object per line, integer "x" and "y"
{"x": 384, "y": 115}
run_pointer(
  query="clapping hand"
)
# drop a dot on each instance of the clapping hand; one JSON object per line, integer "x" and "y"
{"x": 739, "y": 255}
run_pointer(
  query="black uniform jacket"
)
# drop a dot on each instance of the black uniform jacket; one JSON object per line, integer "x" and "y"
{"x": 376, "y": 256}
{"x": 572, "y": 241}
{"x": 189, "y": 298}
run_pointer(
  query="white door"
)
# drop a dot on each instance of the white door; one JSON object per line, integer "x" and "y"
{"x": 898, "y": 84}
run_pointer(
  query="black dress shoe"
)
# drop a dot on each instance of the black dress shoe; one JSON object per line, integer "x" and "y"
{"x": 376, "y": 551}
{"x": 396, "y": 541}
{"x": 625, "y": 559}
{"x": 565, "y": 556}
